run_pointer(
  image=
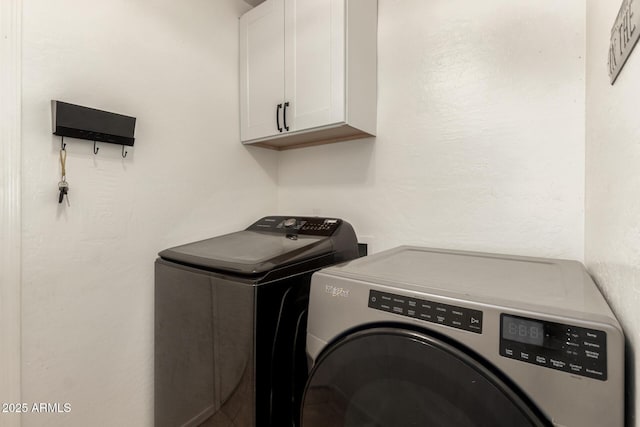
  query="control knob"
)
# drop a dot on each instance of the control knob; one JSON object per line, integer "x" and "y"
{"x": 288, "y": 223}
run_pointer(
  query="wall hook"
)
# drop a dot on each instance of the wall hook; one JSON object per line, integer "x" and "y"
{"x": 62, "y": 144}
{"x": 124, "y": 153}
{"x": 95, "y": 149}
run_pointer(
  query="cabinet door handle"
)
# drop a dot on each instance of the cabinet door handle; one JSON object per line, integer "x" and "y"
{"x": 278, "y": 117}
{"x": 284, "y": 116}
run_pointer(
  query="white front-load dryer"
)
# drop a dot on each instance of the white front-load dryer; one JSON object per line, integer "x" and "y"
{"x": 427, "y": 337}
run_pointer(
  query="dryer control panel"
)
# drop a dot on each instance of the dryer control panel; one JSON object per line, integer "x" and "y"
{"x": 573, "y": 349}
{"x": 435, "y": 312}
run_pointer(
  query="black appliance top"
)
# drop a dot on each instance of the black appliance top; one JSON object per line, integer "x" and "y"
{"x": 267, "y": 244}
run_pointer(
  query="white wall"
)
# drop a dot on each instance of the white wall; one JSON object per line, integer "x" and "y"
{"x": 88, "y": 269}
{"x": 481, "y": 129}
{"x": 612, "y": 232}
{"x": 480, "y": 132}
{"x": 10, "y": 206}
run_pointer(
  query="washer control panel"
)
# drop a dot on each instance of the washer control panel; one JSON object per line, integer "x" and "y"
{"x": 573, "y": 349}
{"x": 313, "y": 226}
{"x": 430, "y": 311}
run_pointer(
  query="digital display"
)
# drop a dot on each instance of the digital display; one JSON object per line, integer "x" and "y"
{"x": 524, "y": 331}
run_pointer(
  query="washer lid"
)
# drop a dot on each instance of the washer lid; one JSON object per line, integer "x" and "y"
{"x": 248, "y": 252}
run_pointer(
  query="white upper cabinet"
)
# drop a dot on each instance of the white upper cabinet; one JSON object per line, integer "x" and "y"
{"x": 308, "y": 72}
{"x": 314, "y": 62}
{"x": 262, "y": 70}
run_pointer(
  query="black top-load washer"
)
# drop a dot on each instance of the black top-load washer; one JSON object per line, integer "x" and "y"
{"x": 230, "y": 321}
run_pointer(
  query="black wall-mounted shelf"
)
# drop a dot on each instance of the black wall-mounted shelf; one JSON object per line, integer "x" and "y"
{"x": 76, "y": 121}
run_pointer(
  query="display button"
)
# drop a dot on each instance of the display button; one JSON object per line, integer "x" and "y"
{"x": 590, "y": 344}
{"x": 594, "y": 335}
{"x": 575, "y": 368}
{"x": 592, "y": 354}
{"x": 571, "y": 352}
{"x": 594, "y": 372}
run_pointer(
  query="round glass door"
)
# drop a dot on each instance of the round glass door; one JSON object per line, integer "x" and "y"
{"x": 398, "y": 378}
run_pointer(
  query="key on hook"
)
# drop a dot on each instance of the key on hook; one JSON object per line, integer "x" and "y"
{"x": 63, "y": 188}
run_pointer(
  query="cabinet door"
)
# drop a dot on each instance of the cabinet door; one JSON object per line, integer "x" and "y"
{"x": 314, "y": 63}
{"x": 261, "y": 69}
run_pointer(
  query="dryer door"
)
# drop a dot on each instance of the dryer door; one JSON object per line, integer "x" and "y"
{"x": 389, "y": 377}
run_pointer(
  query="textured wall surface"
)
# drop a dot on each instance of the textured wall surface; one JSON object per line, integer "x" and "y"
{"x": 88, "y": 269}
{"x": 480, "y": 133}
{"x": 612, "y": 232}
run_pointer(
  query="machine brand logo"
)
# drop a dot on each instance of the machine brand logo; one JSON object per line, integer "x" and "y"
{"x": 336, "y": 292}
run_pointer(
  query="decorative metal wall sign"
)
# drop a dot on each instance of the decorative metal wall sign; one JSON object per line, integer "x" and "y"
{"x": 624, "y": 35}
